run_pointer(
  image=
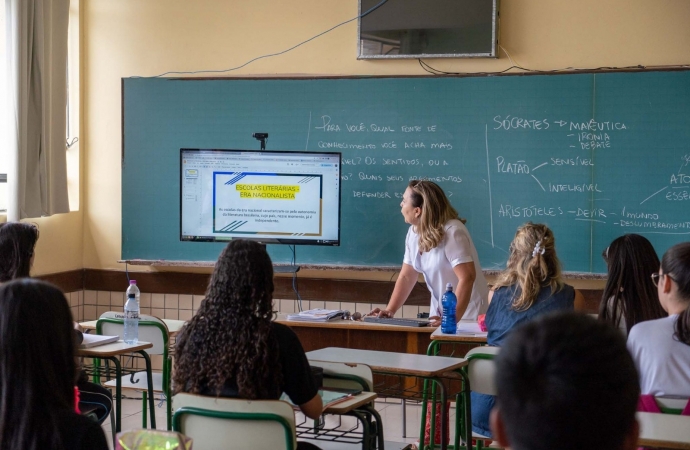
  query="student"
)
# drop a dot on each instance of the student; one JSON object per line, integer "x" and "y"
{"x": 439, "y": 246}
{"x": 630, "y": 296}
{"x": 661, "y": 347}
{"x": 37, "y": 372}
{"x": 530, "y": 286}
{"x": 17, "y": 245}
{"x": 232, "y": 348}
{"x": 565, "y": 381}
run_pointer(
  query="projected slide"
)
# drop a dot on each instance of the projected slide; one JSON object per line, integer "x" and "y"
{"x": 284, "y": 204}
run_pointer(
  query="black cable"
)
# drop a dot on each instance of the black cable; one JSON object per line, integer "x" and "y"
{"x": 294, "y": 277}
{"x": 435, "y": 71}
{"x": 369, "y": 11}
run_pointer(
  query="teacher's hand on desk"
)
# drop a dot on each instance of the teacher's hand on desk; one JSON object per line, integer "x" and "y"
{"x": 434, "y": 321}
{"x": 378, "y": 312}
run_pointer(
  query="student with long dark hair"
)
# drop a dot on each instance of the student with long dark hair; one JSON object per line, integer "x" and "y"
{"x": 232, "y": 348}
{"x": 17, "y": 243}
{"x": 17, "y": 251}
{"x": 661, "y": 347}
{"x": 37, "y": 372}
{"x": 630, "y": 296}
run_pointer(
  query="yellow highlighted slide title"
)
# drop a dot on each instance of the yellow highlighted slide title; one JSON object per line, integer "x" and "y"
{"x": 267, "y": 191}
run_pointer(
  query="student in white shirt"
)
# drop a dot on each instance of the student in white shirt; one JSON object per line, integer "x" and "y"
{"x": 439, "y": 247}
{"x": 661, "y": 348}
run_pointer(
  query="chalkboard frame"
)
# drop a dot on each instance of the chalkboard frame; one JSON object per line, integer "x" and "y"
{"x": 374, "y": 266}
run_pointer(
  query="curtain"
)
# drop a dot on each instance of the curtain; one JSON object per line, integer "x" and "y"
{"x": 37, "y": 90}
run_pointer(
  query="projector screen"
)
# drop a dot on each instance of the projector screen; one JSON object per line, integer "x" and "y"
{"x": 274, "y": 197}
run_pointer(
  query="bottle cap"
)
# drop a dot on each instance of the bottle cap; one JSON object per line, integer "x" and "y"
{"x": 449, "y": 286}
{"x": 132, "y": 281}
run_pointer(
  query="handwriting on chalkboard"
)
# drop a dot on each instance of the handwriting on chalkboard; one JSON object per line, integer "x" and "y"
{"x": 575, "y": 144}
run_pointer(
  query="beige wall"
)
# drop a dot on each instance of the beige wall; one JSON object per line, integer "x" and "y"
{"x": 123, "y": 38}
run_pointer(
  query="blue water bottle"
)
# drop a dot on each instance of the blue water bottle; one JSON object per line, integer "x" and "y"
{"x": 448, "y": 323}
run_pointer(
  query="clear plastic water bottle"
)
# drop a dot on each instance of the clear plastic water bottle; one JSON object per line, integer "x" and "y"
{"x": 133, "y": 289}
{"x": 449, "y": 325}
{"x": 131, "y": 335}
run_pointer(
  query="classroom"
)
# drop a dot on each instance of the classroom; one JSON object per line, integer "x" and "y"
{"x": 112, "y": 40}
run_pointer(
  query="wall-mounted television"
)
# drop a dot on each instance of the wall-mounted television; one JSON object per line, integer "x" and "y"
{"x": 428, "y": 29}
{"x": 273, "y": 197}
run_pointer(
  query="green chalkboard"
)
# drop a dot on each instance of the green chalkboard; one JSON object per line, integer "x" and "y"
{"x": 592, "y": 155}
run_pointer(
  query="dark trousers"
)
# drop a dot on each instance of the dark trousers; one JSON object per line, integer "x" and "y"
{"x": 94, "y": 395}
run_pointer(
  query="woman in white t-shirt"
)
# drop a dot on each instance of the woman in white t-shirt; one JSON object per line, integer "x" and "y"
{"x": 661, "y": 348}
{"x": 439, "y": 247}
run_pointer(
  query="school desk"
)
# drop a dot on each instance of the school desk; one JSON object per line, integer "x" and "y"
{"x": 111, "y": 352}
{"x": 174, "y": 326}
{"x": 431, "y": 368}
{"x": 358, "y": 406}
{"x": 358, "y": 334}
{"x": 664, "y": 430}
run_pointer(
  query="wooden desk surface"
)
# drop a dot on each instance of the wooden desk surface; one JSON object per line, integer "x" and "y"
{"x": 348, "y": 405}
{"x": 174, "y": 326}
{"x": 113, "y": 349}
{"x": 664, "y": 430}
{"x": 390, "y": 362}
{"x": 352, "y": 325}
{"x": 437, "y": 335}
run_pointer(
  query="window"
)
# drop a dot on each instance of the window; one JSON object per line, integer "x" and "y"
{"x": 72, "y": 132}
{"x": 3, "y": 116}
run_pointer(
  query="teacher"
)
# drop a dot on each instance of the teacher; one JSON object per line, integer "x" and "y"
{"x": 439, "y": 247}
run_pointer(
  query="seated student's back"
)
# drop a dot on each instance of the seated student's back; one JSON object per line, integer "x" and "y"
{"x": 661, "y": 348}
{"x": 37, "y": 372}
{"x": 231, "y": 347}
{"x": 529, "y": 287}
{"x": 565, "y": 382}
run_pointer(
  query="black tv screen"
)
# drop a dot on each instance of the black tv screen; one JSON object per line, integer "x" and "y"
{"x": 273, "y": 197}
{"x": 428, "y": 29}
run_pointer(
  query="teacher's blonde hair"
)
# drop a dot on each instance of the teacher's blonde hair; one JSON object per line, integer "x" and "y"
{"x": 436, "y": 211}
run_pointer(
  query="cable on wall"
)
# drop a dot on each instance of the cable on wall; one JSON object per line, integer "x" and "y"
{"x": 369, "y": 11}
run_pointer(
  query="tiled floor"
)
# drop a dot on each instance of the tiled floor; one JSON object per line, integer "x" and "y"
{"x": 390, "y": 410}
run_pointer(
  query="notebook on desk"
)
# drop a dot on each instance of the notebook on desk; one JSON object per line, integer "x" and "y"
{"x": 328, "y": 397}
{"x": 94, "y": 340}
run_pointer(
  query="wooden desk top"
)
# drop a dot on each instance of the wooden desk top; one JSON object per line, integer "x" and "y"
{"x": 114, "y": 349}
{"x": 664, "y": 430}
{"x": 390, "y": 362}
{"x": 437, "y": 335}
{"x": 352, "y": 325}
{"x": 348, "y": 405}
{"x": 174, "y": 326}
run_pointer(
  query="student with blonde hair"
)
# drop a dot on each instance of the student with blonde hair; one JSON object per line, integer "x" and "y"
{"x": 439, "y": 247}
{"x": 530, "y": 286}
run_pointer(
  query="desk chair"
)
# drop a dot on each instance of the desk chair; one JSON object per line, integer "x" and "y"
{"x": 215, "y": 423}
{"x": 480, "y": 372}
{"x": 664, "y": 405}
{"x": 154, "y": 330}
{"x": 355, "y": 376}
